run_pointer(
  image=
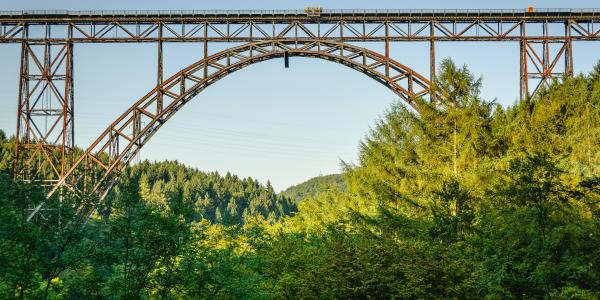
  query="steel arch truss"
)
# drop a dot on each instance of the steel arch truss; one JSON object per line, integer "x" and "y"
{"x": 97, "y": 170}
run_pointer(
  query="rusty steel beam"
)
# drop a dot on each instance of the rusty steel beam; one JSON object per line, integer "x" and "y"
{"x": 568, "y": 51}
{"x": 432, "y": 65}
{"x": 184, "y": 27}
{"x": 387, "y": 49}
{"x": 159, "y": 67}
{"x": 544, "y": 61}
{"x": 413, "y": 14}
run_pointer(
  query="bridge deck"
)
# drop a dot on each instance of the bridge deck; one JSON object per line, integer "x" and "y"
{"x": 344, "y": 25}
{"x": 62, "y": 16}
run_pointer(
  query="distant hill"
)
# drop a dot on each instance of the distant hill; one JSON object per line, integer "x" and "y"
{"x": 225, "y": 199}
{"x": 313, "y": 186}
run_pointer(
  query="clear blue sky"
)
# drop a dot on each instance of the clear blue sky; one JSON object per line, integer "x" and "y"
{"x": 286, "y": 125}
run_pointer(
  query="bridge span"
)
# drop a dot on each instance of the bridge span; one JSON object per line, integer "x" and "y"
{"x": 46, "y": 154}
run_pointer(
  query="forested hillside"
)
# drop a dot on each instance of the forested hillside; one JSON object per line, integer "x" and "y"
{"x": 314, "y": 186}
{"x": 465, "y": 199}
{"x": 207, "y": 196}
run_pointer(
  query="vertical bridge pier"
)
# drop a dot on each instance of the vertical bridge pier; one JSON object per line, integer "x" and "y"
{"x": 45, "y": 114}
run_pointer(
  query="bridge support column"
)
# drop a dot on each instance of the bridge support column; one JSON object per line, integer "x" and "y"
{"x": 159, "y": 69}
{"x": 387, "y": 49}
{"x": 45, "y": 113}
{"x": 432, "y": 56}
{"x": 205, "y": 49}
{"x": 544, "y": 60}
{"x": 523, "y": 78}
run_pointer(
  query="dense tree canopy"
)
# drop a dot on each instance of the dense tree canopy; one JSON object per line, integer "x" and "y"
{"x": 315, "y": 185}
{"x": 464, "y": 199}
{"x": 227, "y": 199}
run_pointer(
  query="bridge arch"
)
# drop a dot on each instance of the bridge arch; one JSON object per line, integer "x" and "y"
{"x": 97, "y": 170}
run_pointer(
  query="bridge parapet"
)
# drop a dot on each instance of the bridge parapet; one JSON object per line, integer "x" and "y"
{"x": 537, "y": 12}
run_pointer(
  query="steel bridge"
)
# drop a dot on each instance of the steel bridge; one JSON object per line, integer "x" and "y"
{"x": 47, "y": 154}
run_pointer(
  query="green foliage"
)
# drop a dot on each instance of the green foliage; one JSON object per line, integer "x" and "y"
{"x": 6, "y": 152}
{"x": 314, "y": 186}
{"x": 196, "y": 196}
{"x": 464, "y": 199}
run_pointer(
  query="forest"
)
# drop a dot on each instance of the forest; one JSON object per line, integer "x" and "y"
{"x": 314, "y": 186}
{"x": 463, "y": 199}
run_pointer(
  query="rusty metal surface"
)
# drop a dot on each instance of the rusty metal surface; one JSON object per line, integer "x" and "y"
{"x": 357, "y": 25}
{"x": 537, "y": 12}
{"x": 45, "y": 114}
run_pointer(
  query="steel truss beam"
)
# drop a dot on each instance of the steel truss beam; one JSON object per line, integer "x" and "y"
{"x": 97, "y": 170}
{"x": 114, "y": 29}
{"x": 45, "y": 117}
{"x": 530, "y": 29}
{"x": 543, "y": 61}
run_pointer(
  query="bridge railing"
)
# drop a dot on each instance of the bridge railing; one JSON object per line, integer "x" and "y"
{"x": 291, "y": 12}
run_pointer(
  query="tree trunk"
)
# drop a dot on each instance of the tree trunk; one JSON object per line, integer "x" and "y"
{"x": 455, "y": 152}
{"x": 455, "y": 162}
